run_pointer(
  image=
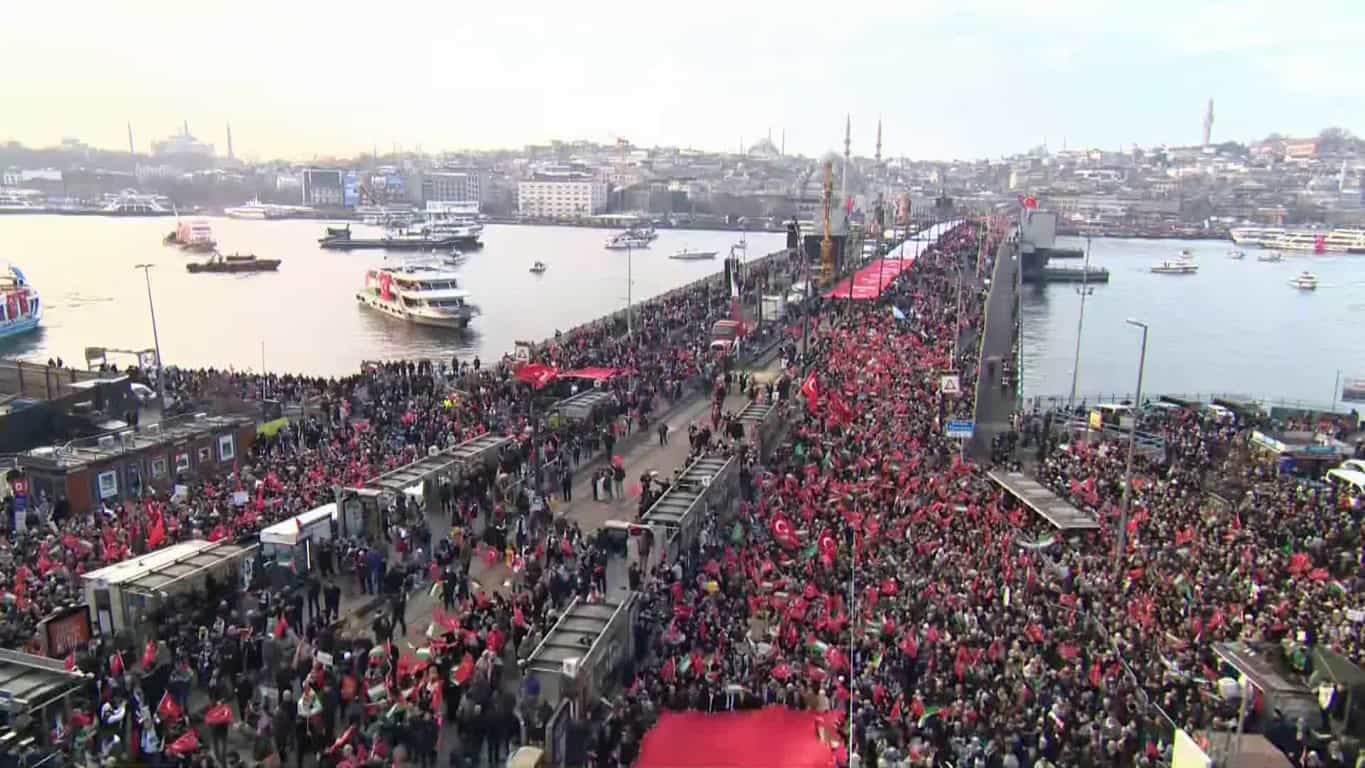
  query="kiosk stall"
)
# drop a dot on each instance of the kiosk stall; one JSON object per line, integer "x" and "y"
{"x": 123, "y": 596}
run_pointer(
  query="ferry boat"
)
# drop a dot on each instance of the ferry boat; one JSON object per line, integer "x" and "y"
{"x": 418, "y": 293}
{"x": 1306, "y": 281}
{"x": 1272, "y": 257}
{"x": 233, "y": 263}
{"x": 21, "y": 201}
{"x": 255, "y": 209}
{"x": 129, "y": 203}
{"x": 387, "y": 216}
{"x": 1178, "y": 267}
{"x": 340, "y": 238}
{"x": 194, "y": 235}
{"x": 460, "y": 219}
{"x": 20, "y": 310}
{"x": 630, "y": 239}
{"x": 1254, "y": 235}
{"x": 686, "y": 255}
{"x": 1309, "y": 240}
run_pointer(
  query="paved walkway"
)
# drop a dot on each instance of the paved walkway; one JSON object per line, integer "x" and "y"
{"x": 994, "y": 404}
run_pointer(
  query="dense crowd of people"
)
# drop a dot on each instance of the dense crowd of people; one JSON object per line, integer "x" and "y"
{"x": 869, "y": 573}
{"x": 874, "y": 575}
{"x": 353, "y": 429}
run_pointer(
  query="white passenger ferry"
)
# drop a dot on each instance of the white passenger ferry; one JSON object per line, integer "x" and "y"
{"x": 423, "y": 294}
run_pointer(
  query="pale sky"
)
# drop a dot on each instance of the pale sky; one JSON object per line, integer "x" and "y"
{"x": 958, "y": 78}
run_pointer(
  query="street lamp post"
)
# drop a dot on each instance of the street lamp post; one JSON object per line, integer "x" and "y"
{"x": 1080, "y": 323}
{"x": 630, "y": 331}
{"x": 156, "y": 339}
{"x": 1132, "y": 438}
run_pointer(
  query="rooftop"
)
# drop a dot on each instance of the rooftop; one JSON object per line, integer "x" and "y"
{"x": 80, "y": 453}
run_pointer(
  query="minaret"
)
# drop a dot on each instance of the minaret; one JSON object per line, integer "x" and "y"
{"x": 848, "y": 143}
{"x": 879, "y": 142}
{"x": 1208, "y": 123}
{"x": 131, "y": 150}
{"x": 229, "y": 138}
{"x": 783, "y": 150}
{"x": 187, "y": 127}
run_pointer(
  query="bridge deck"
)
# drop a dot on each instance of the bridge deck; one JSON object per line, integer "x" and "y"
{"x": 1051, "y": 507}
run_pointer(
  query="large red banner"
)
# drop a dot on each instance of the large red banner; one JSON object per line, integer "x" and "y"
{"x": 870, "y": 281}
{"x": 775, "y": 737}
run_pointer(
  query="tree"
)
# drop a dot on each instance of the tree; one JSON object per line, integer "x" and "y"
{"x": 1335, "y": 139}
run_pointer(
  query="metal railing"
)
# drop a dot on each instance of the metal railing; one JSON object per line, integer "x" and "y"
{"x": 1046, "y": 402}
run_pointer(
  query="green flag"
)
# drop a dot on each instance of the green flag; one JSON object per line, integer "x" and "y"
{"x": 737, "y": 534}
{"x": 808, "y": 553}
{"x": 929, "y": 713}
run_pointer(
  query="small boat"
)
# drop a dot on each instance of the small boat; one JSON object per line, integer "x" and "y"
{"x": 1178, "y": 267}
{"x": 1237, "y": 254}
{"x": 686, "y": 255}
{"x": 1272, "y": 257}
{"x": 538, "y": 268}
{"x": 1306, "y": 281}
{"x": 20, "y": 308}
{"x": 235, "y": 262}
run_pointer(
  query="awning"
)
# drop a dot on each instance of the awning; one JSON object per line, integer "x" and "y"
{"x": 869, "y": 282}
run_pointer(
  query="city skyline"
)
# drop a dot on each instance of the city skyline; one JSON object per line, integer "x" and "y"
{"x": 308, "y": 80}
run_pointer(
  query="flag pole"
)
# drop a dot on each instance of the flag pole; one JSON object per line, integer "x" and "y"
{"x": 852, "y": 619}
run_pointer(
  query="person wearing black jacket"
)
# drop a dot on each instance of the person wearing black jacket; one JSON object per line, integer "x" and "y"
{"x": 282, "y": 724}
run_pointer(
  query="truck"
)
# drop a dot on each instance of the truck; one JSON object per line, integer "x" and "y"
{"x": 726, "y": 336}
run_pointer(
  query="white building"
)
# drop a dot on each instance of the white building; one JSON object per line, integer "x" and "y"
{"x": 561, "y": 199}
{"x": 450, "y": 186}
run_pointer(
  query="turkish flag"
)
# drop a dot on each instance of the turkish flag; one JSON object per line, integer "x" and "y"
{"x": 810, "y": 389}
{"x": 537, "y": 375}
{"x": 782, "y": 532}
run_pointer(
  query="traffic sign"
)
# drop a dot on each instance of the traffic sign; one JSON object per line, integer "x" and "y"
{"x": 949, "y": 384}
{"x": 962, "y": 430}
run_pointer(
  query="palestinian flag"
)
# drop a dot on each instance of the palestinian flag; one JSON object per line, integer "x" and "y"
{"x": 929, "y": 714}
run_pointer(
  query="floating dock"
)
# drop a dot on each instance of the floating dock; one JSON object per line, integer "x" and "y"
{"x": 1068, "y": 275}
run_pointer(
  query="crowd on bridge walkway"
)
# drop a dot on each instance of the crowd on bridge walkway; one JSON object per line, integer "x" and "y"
{"x": 354, "y": 429}
{"x": 869, "y": 574}
{"x": 873, "y": 574}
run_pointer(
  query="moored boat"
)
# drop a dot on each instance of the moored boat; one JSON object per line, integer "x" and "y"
{"x": 235, "y": 262}
{"x": 1237, "y": 254}
{"x": 20, "y": 308}
{"x": 340, "y": 238}
{"x": 1272, "y": 257}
